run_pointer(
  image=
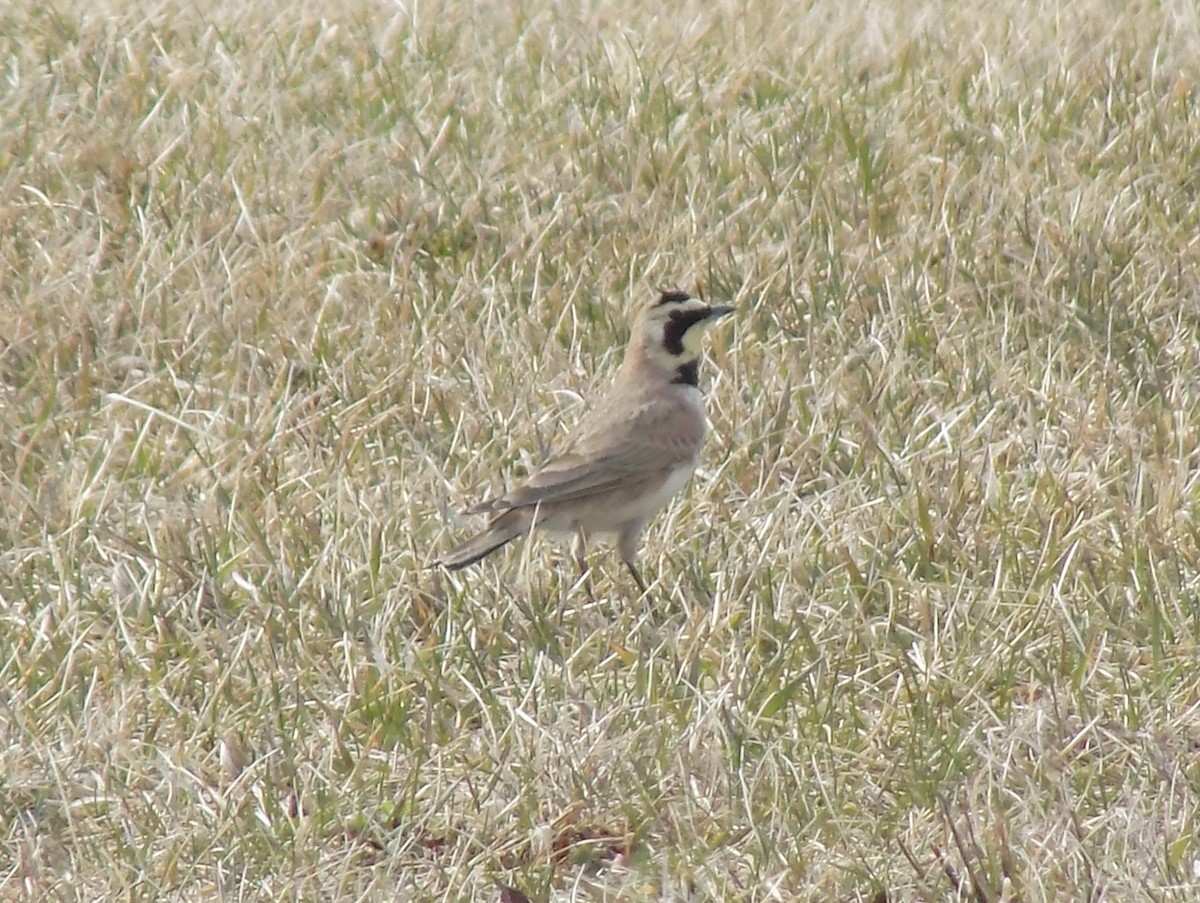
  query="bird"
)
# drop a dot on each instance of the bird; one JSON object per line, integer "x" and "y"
{"x": 628, "y": 455}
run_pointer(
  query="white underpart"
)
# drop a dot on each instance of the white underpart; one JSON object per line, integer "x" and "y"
{"x": 674, "y": 482}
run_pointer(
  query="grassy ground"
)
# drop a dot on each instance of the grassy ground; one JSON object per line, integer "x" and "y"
{"x": 287, "y": 286}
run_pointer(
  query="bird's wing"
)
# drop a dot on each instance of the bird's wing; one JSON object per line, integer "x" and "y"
{"x": 602, "y": 459}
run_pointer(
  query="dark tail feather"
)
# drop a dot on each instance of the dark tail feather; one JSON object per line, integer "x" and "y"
{"x": 500, "y": 532}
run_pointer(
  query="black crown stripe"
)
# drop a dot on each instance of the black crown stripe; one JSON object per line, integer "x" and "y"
{"x": 673, "y": 297}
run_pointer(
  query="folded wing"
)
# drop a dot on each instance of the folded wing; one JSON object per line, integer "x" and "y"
{"x": 646, "y": 453}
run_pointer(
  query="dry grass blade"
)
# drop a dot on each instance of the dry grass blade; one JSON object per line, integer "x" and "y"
{"x": 283, "y": 284}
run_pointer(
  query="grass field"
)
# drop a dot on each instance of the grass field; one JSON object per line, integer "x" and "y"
{"x": 284, "y": 287}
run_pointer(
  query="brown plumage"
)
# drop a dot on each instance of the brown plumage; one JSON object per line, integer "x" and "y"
{"x": 628, "y": 456}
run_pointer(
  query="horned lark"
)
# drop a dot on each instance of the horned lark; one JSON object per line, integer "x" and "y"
{"x": 628, "y": 455}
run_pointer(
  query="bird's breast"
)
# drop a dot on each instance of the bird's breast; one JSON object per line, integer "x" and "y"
{"x": 670, "y": 488}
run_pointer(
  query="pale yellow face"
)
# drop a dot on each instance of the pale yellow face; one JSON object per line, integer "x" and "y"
{"x": 673, "y": 328}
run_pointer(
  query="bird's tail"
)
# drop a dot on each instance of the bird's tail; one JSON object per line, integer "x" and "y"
{"x": 501, "y": 531}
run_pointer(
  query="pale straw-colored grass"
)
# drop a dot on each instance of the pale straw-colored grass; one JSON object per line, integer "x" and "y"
{"x": 285, "y": 287}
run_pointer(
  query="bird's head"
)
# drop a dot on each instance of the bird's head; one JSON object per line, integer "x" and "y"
{"x": 670, "y": 331}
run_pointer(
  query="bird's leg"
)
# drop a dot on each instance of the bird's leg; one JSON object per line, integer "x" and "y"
{"x": 637, "y": 578}
{"x": 580, "y": 548}
{"x": 627, "y": 545}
